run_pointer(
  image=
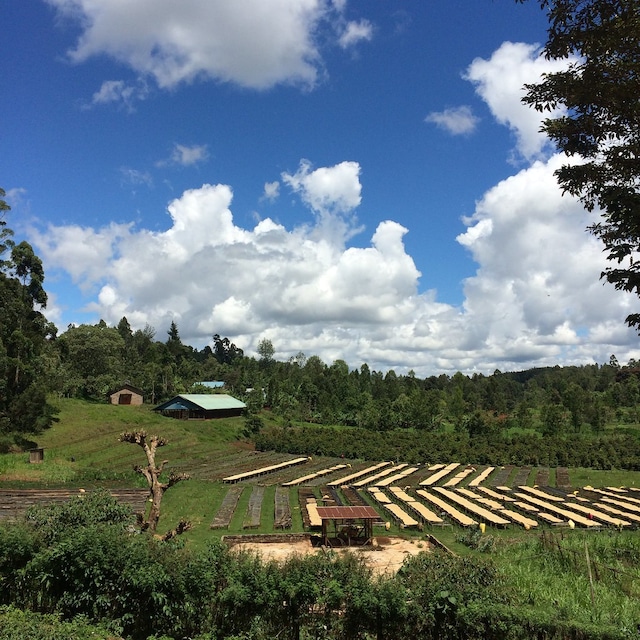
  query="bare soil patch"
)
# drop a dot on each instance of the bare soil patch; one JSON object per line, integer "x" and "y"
{"x": 384, "y": 557}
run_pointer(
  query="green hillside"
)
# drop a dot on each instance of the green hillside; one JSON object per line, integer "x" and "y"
{"x": 82, "y": 451}
{"x": 545, "y": 571}
{"x": 83, "y": 447}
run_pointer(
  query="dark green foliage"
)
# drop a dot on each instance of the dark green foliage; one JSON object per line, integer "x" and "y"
{"x": 93, "y": 356}
{"x": 58, "y": 521}
{"x": 252, "y": 425}
{"x": 266, "y": 350}
{"x": 617, "y": 451}
{"x": 23, "y": 333}
{"x": 30, "y": 412}
{"x": 6, "y": 234}
{"x": 94, "y": 570}
{"x": 91, "y": 562}
{"x": 19, "y": 543}
{"x": 131, "y": 582}
{"x": 225, "y": 351}
{"x": 27, "y": 268}
{"x": 442, "y": 588}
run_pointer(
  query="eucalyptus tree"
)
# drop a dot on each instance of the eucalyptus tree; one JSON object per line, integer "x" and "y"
{"x": 24, "y": 331}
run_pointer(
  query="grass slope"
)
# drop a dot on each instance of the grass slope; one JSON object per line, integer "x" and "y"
{"x": 549, "y": 573}
{"x": 83, "y": 447}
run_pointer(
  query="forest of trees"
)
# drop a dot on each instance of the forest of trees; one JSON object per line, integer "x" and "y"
{"x": 88, "y": 361}
{"x": 25, "y": 337}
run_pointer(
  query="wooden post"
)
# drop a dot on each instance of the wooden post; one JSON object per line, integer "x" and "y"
{"x": 593, "y": 598}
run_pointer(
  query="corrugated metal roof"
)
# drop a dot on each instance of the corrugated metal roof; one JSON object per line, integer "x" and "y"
{"x": 206, "y": 401}
{"x": 128, "y": 386}
{"x": 345, "y": 513}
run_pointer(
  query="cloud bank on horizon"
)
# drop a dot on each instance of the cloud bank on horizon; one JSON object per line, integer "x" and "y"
{"x": 535, "y": 298}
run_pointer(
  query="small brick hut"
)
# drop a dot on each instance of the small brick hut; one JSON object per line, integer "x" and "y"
{"x": 127, "y": 394}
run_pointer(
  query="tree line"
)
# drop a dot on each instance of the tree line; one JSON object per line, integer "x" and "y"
{"x": 88, "y": 361}
{"x": 24, "y": 334}
{"x": 523, "y": 417}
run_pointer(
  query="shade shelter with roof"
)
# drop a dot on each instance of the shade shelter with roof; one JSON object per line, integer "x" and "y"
{"x": 201, "y": 406}
{"x": 347, "y": 526}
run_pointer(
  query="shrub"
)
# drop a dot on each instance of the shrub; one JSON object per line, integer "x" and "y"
{"x": 18, "y": 544}
{"x": 57, "y": 521}
{"x": 25, "y": 625}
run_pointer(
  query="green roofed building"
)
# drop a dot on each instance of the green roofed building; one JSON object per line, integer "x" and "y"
{"x": 201, "y": 406}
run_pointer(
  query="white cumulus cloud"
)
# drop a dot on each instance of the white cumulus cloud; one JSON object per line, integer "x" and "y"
{"x": 500, "y": 82}
{"x": 355, "y": 32}
{"x": 327, "y": 189}
{"x": 187, "y": 156}
{"x": 457, "y": 121}
{"x": 252, "y": 43}
{"x": 213, "y": 276}
{"x": 534, "y": 299}
{"x": 118, "y": 91}
{"x": 271, "y": 191}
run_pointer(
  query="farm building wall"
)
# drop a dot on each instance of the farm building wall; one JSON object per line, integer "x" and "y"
{"x": 201, "y": 414}
{"x": 126, "y": 396}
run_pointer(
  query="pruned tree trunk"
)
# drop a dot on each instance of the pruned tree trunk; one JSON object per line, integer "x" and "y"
{"x": 152, "y": 472}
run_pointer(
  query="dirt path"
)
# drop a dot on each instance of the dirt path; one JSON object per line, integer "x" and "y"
{"x": 385, "y": 557}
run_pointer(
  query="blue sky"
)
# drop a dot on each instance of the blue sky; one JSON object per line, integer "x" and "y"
{"x": 351, "y": 180}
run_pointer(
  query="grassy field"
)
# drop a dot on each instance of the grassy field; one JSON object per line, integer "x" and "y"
{"x": 82, "y": 451}
{"x": 83, "y": 448}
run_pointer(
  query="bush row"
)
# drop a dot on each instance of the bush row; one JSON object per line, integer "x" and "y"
{"x": 603, "y": 452}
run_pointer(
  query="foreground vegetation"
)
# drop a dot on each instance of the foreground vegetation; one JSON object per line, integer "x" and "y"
{"x": 84, "y": 571}
{"x": 83, "y": 562}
